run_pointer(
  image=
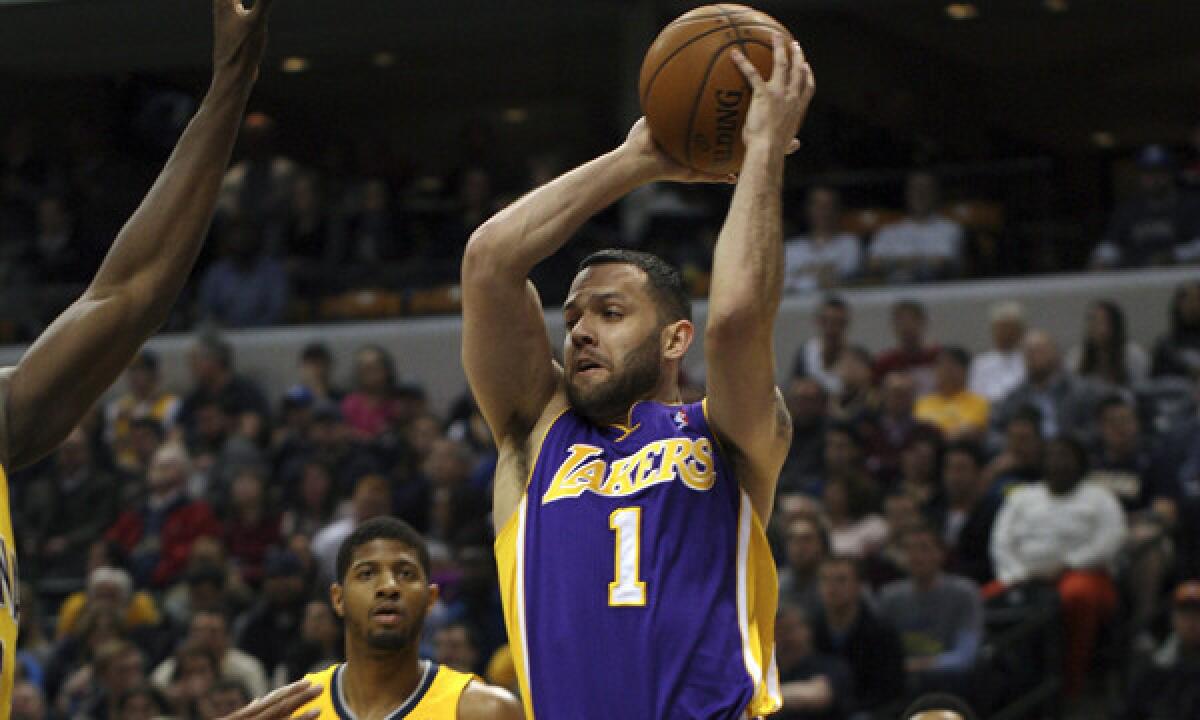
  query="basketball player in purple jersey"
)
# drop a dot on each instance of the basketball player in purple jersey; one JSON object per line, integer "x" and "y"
{"x": 636, "y": 577}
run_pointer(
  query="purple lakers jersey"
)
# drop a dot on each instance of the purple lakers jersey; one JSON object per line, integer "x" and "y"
{"x": 636, "y": 577}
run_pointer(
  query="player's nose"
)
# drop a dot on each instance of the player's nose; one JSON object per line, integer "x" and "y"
{"x": 581, "y": 334}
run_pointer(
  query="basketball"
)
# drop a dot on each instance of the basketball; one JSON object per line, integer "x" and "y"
{"x": 693, "y": 95}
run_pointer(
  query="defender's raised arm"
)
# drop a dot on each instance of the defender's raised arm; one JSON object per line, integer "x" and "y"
{"x": 84, "y": 350}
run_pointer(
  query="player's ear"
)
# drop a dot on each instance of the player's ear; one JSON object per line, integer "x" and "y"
{"x": 434, "y": 593}
{"x": 335, "y": 598}
{"x": 677, "y": 338}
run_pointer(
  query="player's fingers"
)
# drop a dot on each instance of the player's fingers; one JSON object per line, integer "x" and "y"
{"x": 281, "y": 703}
{"x": 793, "y": 146}
{"x": 779, "y": 75}
{"x": 797, "y": 78}
{"x": 748, "y": 70}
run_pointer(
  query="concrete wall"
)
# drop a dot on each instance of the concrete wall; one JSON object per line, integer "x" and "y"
{"x": 427, "y": 350}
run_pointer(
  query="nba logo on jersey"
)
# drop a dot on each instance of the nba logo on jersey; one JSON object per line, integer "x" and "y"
{"x": 681, "y": 419}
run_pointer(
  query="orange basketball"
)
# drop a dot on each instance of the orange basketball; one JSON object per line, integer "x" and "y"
{"x": 693, "y": 95}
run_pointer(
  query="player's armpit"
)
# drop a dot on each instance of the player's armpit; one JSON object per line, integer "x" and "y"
{"x": 481, "y": 701}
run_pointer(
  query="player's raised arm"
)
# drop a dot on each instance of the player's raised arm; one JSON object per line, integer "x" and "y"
{"x": 506, "y": 350}
{"x": 84, "y": 350}
{"x": 744, "y": 405}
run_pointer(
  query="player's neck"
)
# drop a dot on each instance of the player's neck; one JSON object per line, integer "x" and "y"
{"x": 375, "y": 683}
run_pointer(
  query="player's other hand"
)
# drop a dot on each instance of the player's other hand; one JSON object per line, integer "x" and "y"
{"x": 240, "y": 36}
{"x": 640, "y": 146}
{"x": 281, "y": 704}
{"x": 778, "y": 105}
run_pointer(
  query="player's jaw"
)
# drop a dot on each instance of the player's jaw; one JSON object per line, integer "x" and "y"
{"x": 390, "y": 626}
{"x": 603, "y": 391}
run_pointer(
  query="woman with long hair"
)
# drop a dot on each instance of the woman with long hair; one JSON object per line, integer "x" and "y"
{"x": 1178, "y": 352}
{"x": 1106, "y": 353}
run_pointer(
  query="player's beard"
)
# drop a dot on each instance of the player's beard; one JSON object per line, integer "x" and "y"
{"x": 608, "y": 401}
{"x": 394, "y": 640}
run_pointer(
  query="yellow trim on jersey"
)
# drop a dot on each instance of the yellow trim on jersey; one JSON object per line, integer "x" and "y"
{"x": 510, "y": 563}
{"x": 10, "y": 600}
{"x": 757, "y": 601}
{"x": 435, "y": 698}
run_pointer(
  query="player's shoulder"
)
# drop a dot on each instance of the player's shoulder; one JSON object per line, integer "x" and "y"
{"x": 481, "y": 701}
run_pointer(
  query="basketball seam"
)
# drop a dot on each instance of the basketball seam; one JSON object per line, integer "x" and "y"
{"x": 700, "y": 90}
{"x": 681, "y": 48}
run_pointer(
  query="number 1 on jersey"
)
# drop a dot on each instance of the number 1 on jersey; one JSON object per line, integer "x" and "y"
{"x": 627, "y": 590}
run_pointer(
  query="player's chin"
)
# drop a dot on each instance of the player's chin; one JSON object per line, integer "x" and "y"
{"x": 390, "y": 639}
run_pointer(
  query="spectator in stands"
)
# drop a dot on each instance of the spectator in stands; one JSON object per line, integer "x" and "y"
{"x": 224, "y": 698}
{"x": 28, "y": 702}
{"x": 319, "y": 644}
{"x": 1178, "y": 496}
{"x": 158, "y": 534}
{"x": 1168, "y": 686}
{"x": 146, "y": 398}
{"x": 118, "y": 667}
{"x": 855, "y": 529}
{"x": 209, "y": 631}
{"x": 1069, "y": 533}
{"x": 806, "y": 545}
{"x": 142, "y": 702}
{"x": 310, "y": 237}
{"x": 372, "y": 498}
{"x": 807, "y": 403}
{"x": 62, "y": 514}
{"x": 819, "y": 356}
{"x": 108, "y": 587}
{"x": 967, "y": 513}
{"x": 814, "y": 686}
{"x": 251, "y": 526}
{"x": 847, "y": 627}
{"x": 998, "y": 371}
{"x": 826, "y": 256}
{"x": 246, "y": 287}
{"x": 214, "y": 380}
{"x": 939, "y": 616}
{"x": 1123, "y": 462}
{"x": 456, "y": 646}
{"x": 1178, "y": 352}
{"x": 958, "y": 412}
{"x": 889, "y": 563}
{"x": 268, "y": 628}
{"x": 372, "y": 406}
{"x": 56, "y": 254}
{"x": 195, "y": 668}
{"x": 1107, "y": 355}
{"x": 475, "y": 598}
{"x": 312, "y": 505}
{"x": 1021, "y": 457}
{"x": 475, "y": 204}
{"x": 912, "y": 355}
{"x": 1191, "y": 173}
{"x": 857, "y": 403}
{"x": 316, "y": 373}
{"x": 920, "y": 469}
{"x": 1064, "y": 401}
{"x": 1157, "y": 227}
{"x": 146, "y": 435}
{"x": 457, "y": 509}
{"x": 923, "y": 246}
{"x": 67, "y": 677}
{"x": 258, "y": 187}
{"x": 895, "y": 428}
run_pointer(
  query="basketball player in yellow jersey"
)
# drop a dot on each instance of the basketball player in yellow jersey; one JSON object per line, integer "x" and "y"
{"x": 43, "y": 397}
{"x": 383, "y": 594}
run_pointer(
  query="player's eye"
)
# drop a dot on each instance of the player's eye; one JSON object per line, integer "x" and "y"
{"x": 613, "y": 314}
{"x": 365, "y": 574}
{"x": 408, "y": 574}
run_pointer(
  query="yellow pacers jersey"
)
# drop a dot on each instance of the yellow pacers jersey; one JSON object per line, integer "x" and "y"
{"x": 436, "y": 696}
{"x": 9, "y": 595}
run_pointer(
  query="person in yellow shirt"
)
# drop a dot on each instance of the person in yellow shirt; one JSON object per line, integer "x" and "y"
{"x": 958, "y": 412}
{"x": 111, "y": 587}
{"x": 383, "y": 595}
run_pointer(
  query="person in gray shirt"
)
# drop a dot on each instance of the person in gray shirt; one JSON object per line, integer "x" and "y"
{"x": 939, "y": 616}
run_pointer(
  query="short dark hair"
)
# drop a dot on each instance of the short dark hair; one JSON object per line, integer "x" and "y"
{"x": 1113, "y": 400}
{"x": 143, "y": 690}
{"x": 961, "y": 357}
{"x": 382, "y": 528}
{"x": 1027, "y": 414}
{"x": 939, "y": 701}
{"x": 922, "y": 527}
{"x": 966, "y": 447}
{"x": 909, "y": 305}
{"x": 318, "y": 351}
{"x": 1077, "y": 448}
{"x": 664, "y": 280}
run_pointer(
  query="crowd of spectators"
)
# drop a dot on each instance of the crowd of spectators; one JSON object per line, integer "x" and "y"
{"x": 178, "y": 547}
{"x": 292, "y": 237}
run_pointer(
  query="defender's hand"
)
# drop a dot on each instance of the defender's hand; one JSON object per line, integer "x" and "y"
{"x": 240, "y": 36}
{"x": 280, "y": 704}
{"x": 778, "y": 105}
{"x": 639, "y": 145}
